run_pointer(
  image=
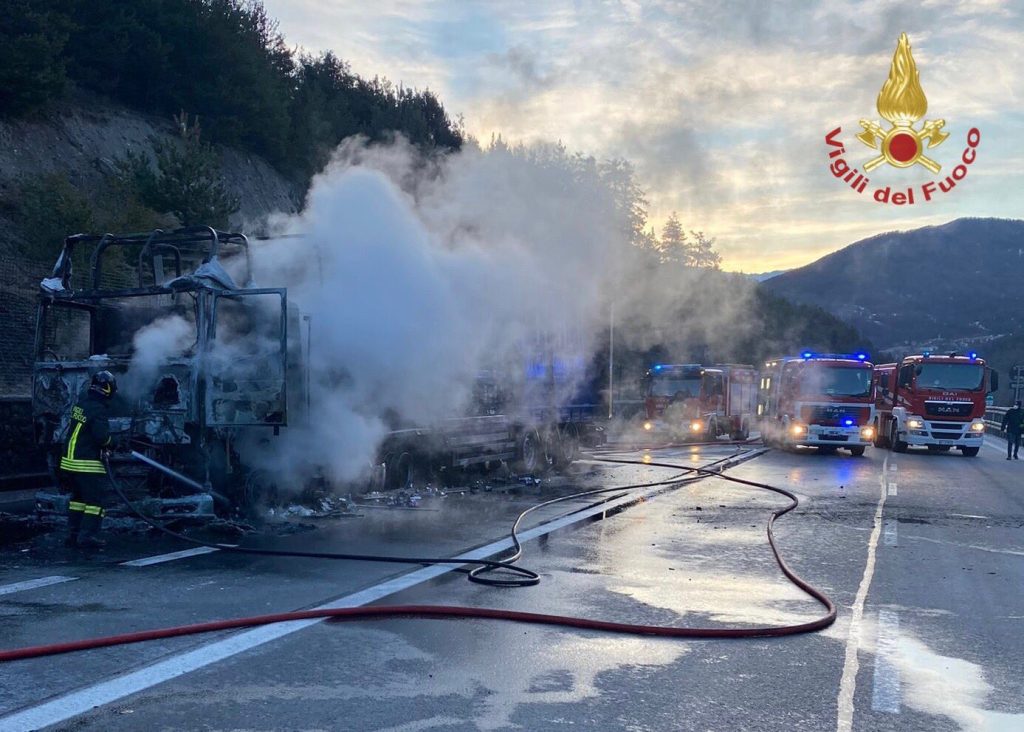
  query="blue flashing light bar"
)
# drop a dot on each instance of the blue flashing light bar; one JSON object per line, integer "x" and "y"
{"x": 658, "y": 367}
{"x": 861, "y": 356}
{"x": 972, "y": 355}
{"x": 848, "y": 422}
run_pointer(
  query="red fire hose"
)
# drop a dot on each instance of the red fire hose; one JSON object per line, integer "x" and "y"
{"x": 451, "y": 611}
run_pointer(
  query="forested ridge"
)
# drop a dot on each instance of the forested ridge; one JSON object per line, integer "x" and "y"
{"x": 222, "y": 61}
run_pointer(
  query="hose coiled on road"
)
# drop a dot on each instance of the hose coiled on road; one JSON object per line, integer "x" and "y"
{"x": 451, "y": 611}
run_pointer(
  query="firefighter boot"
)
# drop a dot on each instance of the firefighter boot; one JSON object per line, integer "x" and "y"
{"x": 87, "y": 536}
{"x": 74, "y": 526}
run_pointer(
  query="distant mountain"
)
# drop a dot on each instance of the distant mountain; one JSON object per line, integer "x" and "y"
{"x": 956, "y": 285}
{"x": 762, "y": 276}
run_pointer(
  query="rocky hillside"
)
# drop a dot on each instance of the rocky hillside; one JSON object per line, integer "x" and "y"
{"x": 80, "y": 139}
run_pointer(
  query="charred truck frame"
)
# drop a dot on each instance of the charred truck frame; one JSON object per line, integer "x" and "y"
{"x": 242, "y": 357}
{"x": 188, "y": 409}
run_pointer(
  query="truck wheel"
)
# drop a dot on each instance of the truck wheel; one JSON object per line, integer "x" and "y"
{"x": 531, "y": 458}
{"x": 880, "y": 439}
{"x": 857, "y": 451}
{"x": 567, "y": 446}
{"x": 970, "y": 451}
{"x": 895, "y": 443}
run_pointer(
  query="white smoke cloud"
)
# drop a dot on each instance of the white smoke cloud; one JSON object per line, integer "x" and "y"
{"x": 154, "y": 344}
{"x": 418, "y": 274}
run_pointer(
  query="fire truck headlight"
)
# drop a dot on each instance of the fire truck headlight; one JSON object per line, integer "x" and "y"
{"x": 696, "y": 425}
{"x": 915, "y": 424}
{"x": 978, "y": 426}
{"x": 798, "y": 429}
{"x": 867, "y": 433}
{"x": 648, "y": 426}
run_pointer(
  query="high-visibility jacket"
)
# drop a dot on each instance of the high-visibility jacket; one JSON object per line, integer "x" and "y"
{"x": 88, "y": 433}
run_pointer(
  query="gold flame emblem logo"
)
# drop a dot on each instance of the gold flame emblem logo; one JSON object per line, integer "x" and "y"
{"x": 902, "y": 102}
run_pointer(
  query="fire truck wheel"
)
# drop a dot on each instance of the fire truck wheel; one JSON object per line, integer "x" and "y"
{"x": 970, "y": 451}
{"x": 880, "y": 439}
{"x": 531, "y": 456}
{"x": 895, "y": 443}
{"x": 857, "y": 451}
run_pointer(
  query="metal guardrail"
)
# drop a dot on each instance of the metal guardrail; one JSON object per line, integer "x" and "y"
{"x": 994, "y": 420}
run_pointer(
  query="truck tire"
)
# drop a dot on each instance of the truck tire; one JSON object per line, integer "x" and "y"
{"x": 857, "y": 450}
{"x": 896, "y": 444}
{"x": 742, "y": 434}
{"x": 970, "y": 451}
{"x": 567, "y": 446}
{"x": 880, "y": 439}
{"x": 530, "y": 456}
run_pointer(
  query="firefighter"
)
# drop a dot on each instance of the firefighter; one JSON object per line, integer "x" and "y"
{"x": 81, "y": 461}
{"x": 1012, "y": 422}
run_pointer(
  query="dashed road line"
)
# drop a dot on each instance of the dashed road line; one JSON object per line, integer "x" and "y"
{"x": 161, "y": 558}
{"x": 893, "y": 488}
{"x": 851, "y": 662}
{"x": 885, "y": 692}
{"x": 891, "y": 535}
{"x": 62, "y": 708}
{"x": 34, "y": 584}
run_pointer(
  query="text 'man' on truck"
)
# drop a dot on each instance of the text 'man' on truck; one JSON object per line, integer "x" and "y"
{"x": 937, "y": 401}
{"x": 819, "y": 400}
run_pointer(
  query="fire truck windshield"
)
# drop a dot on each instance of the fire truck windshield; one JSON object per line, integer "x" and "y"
{"x": 669, "y": 387}
{"x": 967, "y": 376}
{"x": 836, "y": 381}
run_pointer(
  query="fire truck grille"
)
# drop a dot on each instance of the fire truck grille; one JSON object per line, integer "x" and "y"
{"x": 835, "y": 415}
{"x": 958, "y": 428}
{"x": 948, "y": 409}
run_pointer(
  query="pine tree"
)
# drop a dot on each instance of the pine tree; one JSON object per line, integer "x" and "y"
{"x": 674, "y": 246}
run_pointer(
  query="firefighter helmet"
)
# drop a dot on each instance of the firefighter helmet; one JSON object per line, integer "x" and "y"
{"x": 103, "y": 383}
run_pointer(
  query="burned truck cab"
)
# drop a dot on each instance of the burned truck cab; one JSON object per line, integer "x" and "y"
{"x": 200, "y": 359}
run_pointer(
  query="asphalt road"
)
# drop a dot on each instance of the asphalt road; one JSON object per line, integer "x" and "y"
{"x": 924, "y": 554}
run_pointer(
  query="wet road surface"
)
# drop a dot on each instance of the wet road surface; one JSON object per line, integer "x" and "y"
{"x": 924, "y": 554}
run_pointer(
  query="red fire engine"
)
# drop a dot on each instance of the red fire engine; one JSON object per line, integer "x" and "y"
{"x": 935, "y": 401}
{"x": 698, "y": 402}
{"x": 823, "y": 400}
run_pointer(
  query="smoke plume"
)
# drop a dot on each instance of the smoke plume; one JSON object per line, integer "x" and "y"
{"x": 419, "y": 274}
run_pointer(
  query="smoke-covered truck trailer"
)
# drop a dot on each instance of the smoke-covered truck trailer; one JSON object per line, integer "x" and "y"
{"x": 691, "y": 401}
{"x": 937, "y": 401}
{"x": 819, "y": 400}
{"x": 237, "y": 369}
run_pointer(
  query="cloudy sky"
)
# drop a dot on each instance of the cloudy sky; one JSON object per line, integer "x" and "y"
{"x": 722, "y": 105}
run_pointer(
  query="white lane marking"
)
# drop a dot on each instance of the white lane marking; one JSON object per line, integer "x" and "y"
{"x": 968, "y": 515}
{"x": 885, "y": 692}
{"x": 63, "y": 708}
{"x": 891, "y": 536}
{"x": 851, "y": 663}
{"x": 892, "y": 468}
{"x": 161, "y": 558}
{"x": 893, "y": 489}
{"x": 980, "y": 548}
{"x": 34, "y": 584}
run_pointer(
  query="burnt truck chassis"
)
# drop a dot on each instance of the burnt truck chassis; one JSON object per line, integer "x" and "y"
{"x": 193, "y": 411}
{"x": 194, "y": 408}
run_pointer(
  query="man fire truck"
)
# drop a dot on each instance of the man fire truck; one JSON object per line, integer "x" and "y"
{"x": 935, "y": 401}
{"x": 698, "y": 402}
{"x": 821, "y": 400}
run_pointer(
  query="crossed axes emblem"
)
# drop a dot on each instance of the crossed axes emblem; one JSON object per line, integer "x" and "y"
{"x": 878, "y": 139}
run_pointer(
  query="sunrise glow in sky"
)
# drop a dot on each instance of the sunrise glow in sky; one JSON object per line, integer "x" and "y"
{"x": 722, "y": 105}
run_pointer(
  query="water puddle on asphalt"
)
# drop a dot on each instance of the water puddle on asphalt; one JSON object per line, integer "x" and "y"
{"x": 949, "y": 687}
